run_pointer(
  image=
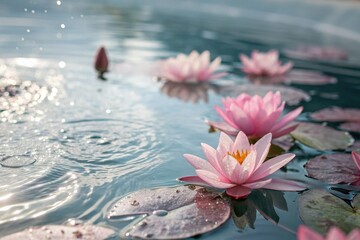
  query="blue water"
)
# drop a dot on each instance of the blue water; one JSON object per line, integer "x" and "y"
{"x": 76, "y": 146}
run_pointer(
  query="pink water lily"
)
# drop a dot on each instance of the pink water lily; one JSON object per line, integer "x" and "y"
{"x": 264, "y": 64}
{"x": 239, "y": 166}
{"x": 305, "y": 233}
{"x": 193, "y": 68}
{"x": 256, "y": 116}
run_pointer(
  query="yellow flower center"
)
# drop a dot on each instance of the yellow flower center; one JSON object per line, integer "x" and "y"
{"x": 239, "y": 156}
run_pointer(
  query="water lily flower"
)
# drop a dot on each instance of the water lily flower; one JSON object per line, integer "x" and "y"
{"x": 305, "y": 233}
{"x": 193, "y": 68}
{"x": 101, "y": 62}
{"x": 264, "y": 64}
{"x": 256, "y": 116}
{"x": 239, "y": 166}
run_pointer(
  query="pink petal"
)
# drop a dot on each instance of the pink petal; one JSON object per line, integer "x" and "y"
{"x": 210, "y": 154}
{"x": 224, "y": 127}
{"x": 286, "y": 119}
{"x": 242, "y": 120}
{"x": 199, "y": 163}
{"x": 193, "y": 180}
{"x": 238, "y": 192}
{"x": 262, "y": 147}
{"x": 284, "y": 131}
{"x": 213, "y": 179}
{"x": 305, "y": 233}
{"x": 271, "y": 166}
{"x": 225, "y": 144}
{"x": 241, "y": 142}
{"x": 354, "y": 234}
{"x": 285, "y": 185}
{"x": 356, "y": 158}
{"x": 258, "y": 184}
{"x": 225, "y": 117}
{"x": 335, "y": 234}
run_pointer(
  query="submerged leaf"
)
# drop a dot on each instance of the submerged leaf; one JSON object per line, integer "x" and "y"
{"x": 60, "y": 232}
{"x": 321, "y": 210}
{"x": 292, "y": 96}
{"x": 333, "y": 168}
{"x": 317, "y": 53}
{"x": 171, "y": 212}
{"x": 337, "y": 114}
{"x": 321, "y": 137}
{"x": 308, "y": 77}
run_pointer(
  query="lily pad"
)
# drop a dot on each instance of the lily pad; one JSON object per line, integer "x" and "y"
{"x": 321, "y": 210}
{"x": 337, "y": 114}
{"x": 317, "y": 53}
{"x": 171, "y": 212}
{"x": 333, "y": 168}
{"x": 292, "y": 96}
{"x": 321, "y": 137}
{"x": 308, "y": 78}
{"x": 351, "y": 126}
{"x": 59, "y": 232}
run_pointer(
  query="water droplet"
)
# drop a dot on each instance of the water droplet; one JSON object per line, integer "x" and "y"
{"x": 72, "y": 103}
{"x": 160, "y": 213}
{"x": 62, "y": 25}
{"x": 143, "y": 224}
{"x": 108, "y": 111}
{"x": 25, "y": 9}
{"x": 73, "y": 222}
{"x": 32, "y": 11}
{"x": 58, "y": 3}
{"x": 63, "y": 120}
{"x": 28, "y": 30}
{"x": 45, "y": 11}
{"x": 22, "y": 39}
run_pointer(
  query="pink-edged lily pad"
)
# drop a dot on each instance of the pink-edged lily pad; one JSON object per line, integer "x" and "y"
{"x": 333, "y": 168}
{"x": 308, "y": 78}
{"x": 171, "y": 212}
{"x": 320, "y": 210}
{"x": 59, "y": 232}
{"x": 292, "y": 96}
{"x": 350, "y": 126}
{"x": 317, "y": 53}
{"x": 337, "y": 114}
{"x": 322, "y": 137}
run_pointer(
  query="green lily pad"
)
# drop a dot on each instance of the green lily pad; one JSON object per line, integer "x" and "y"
{"x": 321, "y": 210}
{"x": 171, "y": 212}
{"x": 322, "y": 137}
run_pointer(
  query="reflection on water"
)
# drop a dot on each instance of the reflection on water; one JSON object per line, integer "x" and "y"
{"x": 70, "y": 144}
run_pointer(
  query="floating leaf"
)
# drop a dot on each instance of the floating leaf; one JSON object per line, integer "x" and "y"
{"x": 351, "y": 126}
{"x": 333, "y": 168}
{"x": 321, "y": 210}
{"x": 321, "y": 137}
{"x": 354, "y": 147}
{"x": 292, "y": 96}
{"x": 171, "y": 212}
{"x": 317, "y": 53}
{"x": 308, "y": 78}
{"x": 337, "y": 114}
{"x": 60, "y": 232}
{"x": 285, "y": 142}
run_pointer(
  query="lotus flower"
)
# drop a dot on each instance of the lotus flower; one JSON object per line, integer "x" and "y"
{"x": 239, "y": 167}
{"x": 305, "y": 233}
{"x": 264, "y": 64}
{"x": 192, "y": 68}
{"x": 255, "y": 116}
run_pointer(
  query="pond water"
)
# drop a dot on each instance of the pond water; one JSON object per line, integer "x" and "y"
{"x": 72, "y": 144}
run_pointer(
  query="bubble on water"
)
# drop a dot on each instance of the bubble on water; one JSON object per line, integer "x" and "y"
{"x": 160, "y": 213}
{"x": 62, "y": 25}
{"x": 32, "y": 11}
{"x": 58, "y": 3}
{"x": 25, "y": 9}
{"x": 28, "y": 30}
{"x": 62, "y": 64}
{"x": 108, "y": 111}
